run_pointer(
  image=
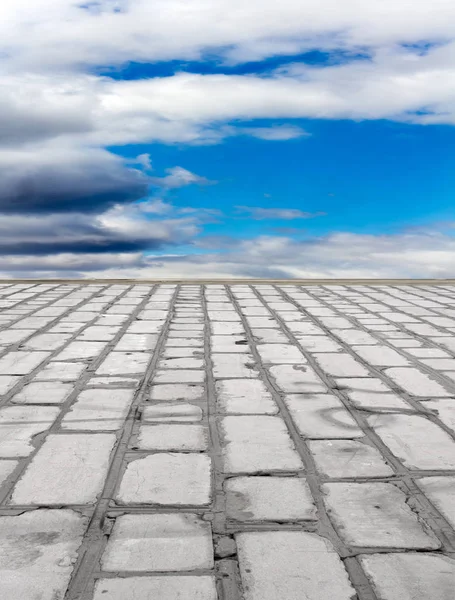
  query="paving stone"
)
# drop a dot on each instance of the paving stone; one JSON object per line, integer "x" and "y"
{"x": 410, "y": 576}
{"x": 253, "y": 499}
{"x": 38, "y": 553}
{"x": 417, "y": 383}
{"x": 291, "y": 565}
{"x": 340, "y": 365}
{"x": 32, "y": 323}
{"x": 176, "y": 391}
{"x": 257, "y": 443}
{"x": 179, "y": 376}
{"x": 61, "y": 371}
{"x": 381, "y": 356}
{"x": 220, "y": 328}
{"x": 348, "y": 458}
{"x": 181, "y": 363}
{"x": 167, "y": 479}
{"x": 159, "y": 542}
{"x": 6, "y": 468}
{"x": 233, "y": 365}
{"x": 125, "y": 363}
{"x": 7, "y": 382}
{"x": 159, "y": 588}
{"x": 444, "y": 409}
{"x": 81, "y": 351}
{"x": 46, "y": 392}
{"x": 173, "y": 437}
{"x": 172, "y": 411}
{"x": 375, "y": 515}
{"x": 244, "y": 396}
{"x": 269, "y": 336}
{"x": 47, "y": 341}
{"x": 99, "y": 410}
{"x": 319, "y": 416}
{"x": 185, "y": 342}
{"x": 97, "y": 333}
{"x": 21, "y": 363}
{"x": 297, "y": 379}
{"x": 13, "y": 336}
{"x": 371, "y": 394}
{"x": 19, "y": 425}
{"x": 416, "y": 441}
{"x": 281, "y": 354}
{"x": 68, "y": 469}
{"x": 441, "y": 492}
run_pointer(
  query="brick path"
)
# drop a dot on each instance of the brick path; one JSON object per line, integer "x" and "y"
{"x": 204, "y": 442}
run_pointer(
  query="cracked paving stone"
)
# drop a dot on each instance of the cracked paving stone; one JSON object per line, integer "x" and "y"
{"x": 410, "y": 576}
{"x": 38, "y": 553}
{"x": 291, "y": 565}
{"x": 168, "y": 479}
{"x": 19, "y": 425}
{"x": 376, "y": 515}
{"x": 159, "y": 542}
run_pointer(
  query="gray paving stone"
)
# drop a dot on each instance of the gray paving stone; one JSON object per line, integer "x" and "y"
{"x": 181, "y": 363}
{"x": 81, "y": 351}
{"x": 410, "y": 576}
{"x": 416, "y": 441}
{"x": 375, "y": 515}
{"x": 253, "y": 499}
{"x": 167, "y": 479}
{"x": 13, "y": 336}
{"x": 176, "y": 391}
{"x": 38, "y": 553}
{"x": 172, "y": 411}
{"x": 340, "y": 365}
{"x": 159, "y": 588}
{"x": 257, "y": 443}
{"x": 321, "y": 416}
{"x": 173, "y": 437}
{"x": 99, "y": 410}
{"x": 6, "y": 468}
{"x": 68, "y": 469}
{"x": 348, "y": 458}
{"x": 45, "y": 392}
{"x": 21, "y": 363}
{"x": 444, "y": 409}
{"x": 244, "y": 396}
{"x": 19, "y": 425}
{"x": 291, "y": 565}
{"x": 179, "y": 376}
{"x": 61, "y": 371}
{"x": 7, "y": 382}
{"x": 237, "y": 366}
{"x": 441, "y": 492}
{"x": 47, "y": 341}
{"x": 159, "y": 542}
{"x": 297, "y": 379}
{"x": 281, "y": 354}
{"x": 125, "y": 363}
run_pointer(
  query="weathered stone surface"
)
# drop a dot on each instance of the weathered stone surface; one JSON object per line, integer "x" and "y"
{"x": 375, "y": 514}
{"x": 99, "y": 410}
{"x": 348, "y": 458}
{"x": 244, "y": 396}
{"x": 38, "y": 552}
{"x": 292, "y": 565}
{"x": 159, "y": 542}
{"x": 173, "y": 437}
{"x": 167, "y": 479}
{"x": 172, "y": 411}
{"x": 253, "y": 499}
{"x": 18, "y": 426}
{"x": 257, "y": 443}
{"x": 441, "y": 492}
{"x": 410, "y": 576}
{"x": 43, "y": 392}
{"x": 160, "y": 587}
{"x": 68, "y": 469}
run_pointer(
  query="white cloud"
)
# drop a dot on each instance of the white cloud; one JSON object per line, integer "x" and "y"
{"x": 285, "y": 214}
{"x": 340, "y": 255}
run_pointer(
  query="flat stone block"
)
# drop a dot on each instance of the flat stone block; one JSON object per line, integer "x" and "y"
{"x": 297, "y": 379}
{"x": 291, "y": 565}
{"x": 376, "y": 514}
{"x": 19, "y": 425}
{"x": 415, "y": 440}
{"x": 348, "y": 458}
{"x": 319, "y": 416}
{"x": 38, "y": 553}
{"x": 176, "y": 391}
{"x": 252, "y": 499}
{"x": 159, "y": 588}
{"x": 125, "y": 363}
{"x": 61, "y": 371}
{"x": 172, "y": 411}
{"x": 99, "y": 410}
{"x": 245, "y": 396}
{"x": 179, "y": 376}
{"x": 173, "y": 437}
{"x": 139, "y": 342}
{"x": 410, "y": 576}
{"x": 68, "y": 469}
{"x": 416, "y": 383}
{"x": 159, "y": 542}
{"x": 257, "y": 443}
{"x": 441, "y": 492}
{"x": 167, "y": 479}
{"x": 21, "y": 363}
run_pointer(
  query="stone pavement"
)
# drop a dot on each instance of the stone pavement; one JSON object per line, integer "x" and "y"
{"x": 230, "y": 442}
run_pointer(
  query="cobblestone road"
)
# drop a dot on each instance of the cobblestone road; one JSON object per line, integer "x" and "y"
{"x": 204, "y": 442}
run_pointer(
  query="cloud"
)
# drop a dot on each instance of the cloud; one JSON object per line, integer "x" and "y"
{"x": 285, "y": 214}
{"x": 339, "y": 255}
{"x": 276, "y": 134}
{"x": 60, "y": 178}
{"x": 179, "y": 177}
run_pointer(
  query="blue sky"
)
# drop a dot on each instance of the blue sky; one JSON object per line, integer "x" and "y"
{"x": 171, "y": 139}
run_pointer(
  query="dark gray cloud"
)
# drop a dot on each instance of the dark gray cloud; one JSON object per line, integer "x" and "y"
{"x": 53, "y": 180}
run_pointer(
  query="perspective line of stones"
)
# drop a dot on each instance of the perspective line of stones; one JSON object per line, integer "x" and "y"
{"x": 244, "y": 441}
